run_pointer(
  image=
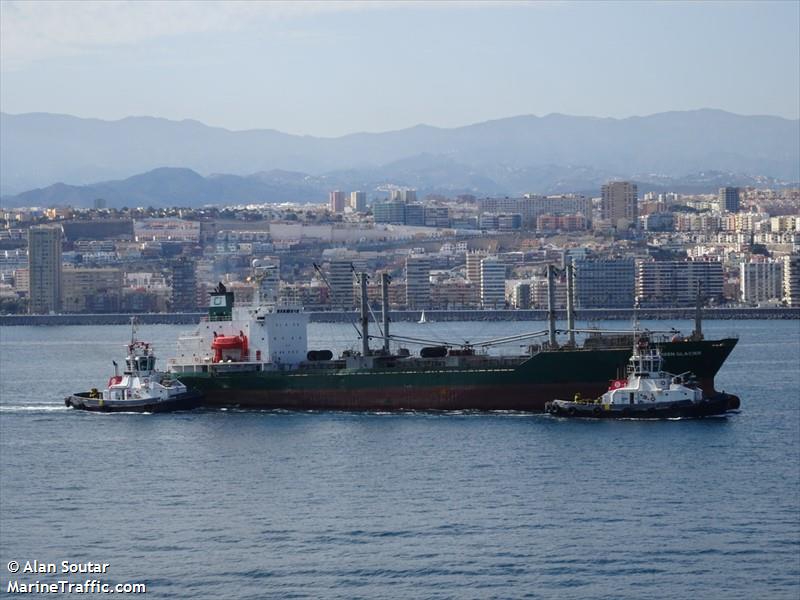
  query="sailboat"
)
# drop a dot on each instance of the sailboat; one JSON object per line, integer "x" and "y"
{"x": 422, "y": 318}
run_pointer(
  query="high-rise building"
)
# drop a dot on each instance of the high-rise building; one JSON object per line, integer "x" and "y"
{"x": 340, "y": 278}
{"x": 619, "y": 202}
{"x": 336, "y": 201}
{"x": 791, "y": 280}
{"x": 493, "y": 283}
{"x": 607, "y": 283}
{"x": 184, "y": 285}
{"x": 672, "y": 283}
{"x": 44, "y": 269}
{"x": 418, "y": 282}
{"x": 761, "y": 281}
{"x": 474, "y": 259}
{"x": 358, "y": 201}
{"x": 729, "y": 199}
{"x": 522, "y": 296}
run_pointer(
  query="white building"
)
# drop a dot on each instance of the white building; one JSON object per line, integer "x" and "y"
{"x": 493, "y": 283}
{"x": 761, "y": 281}
{"x": 672, "y": 283}
{"x": 791, "y": 279}
{"x": 166, "y": 229}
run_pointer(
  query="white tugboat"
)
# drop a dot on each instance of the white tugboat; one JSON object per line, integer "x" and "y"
{"x": 141, "y": 388}
{"x": 648, "y": 393}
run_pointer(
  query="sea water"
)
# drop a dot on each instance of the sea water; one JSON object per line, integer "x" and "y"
{"x": 229, "y": 504}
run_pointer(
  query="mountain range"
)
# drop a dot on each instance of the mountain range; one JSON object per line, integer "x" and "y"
{"x": 65, "y": 157}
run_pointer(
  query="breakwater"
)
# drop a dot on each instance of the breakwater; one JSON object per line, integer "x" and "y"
{"x": 596, "y": 314}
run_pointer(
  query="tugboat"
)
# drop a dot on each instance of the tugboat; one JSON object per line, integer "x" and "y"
{"x": 141, "y": 388}
{"x": 648, "y": 393}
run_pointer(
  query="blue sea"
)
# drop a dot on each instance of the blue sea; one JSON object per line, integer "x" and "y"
{"x": 227, "y": 504}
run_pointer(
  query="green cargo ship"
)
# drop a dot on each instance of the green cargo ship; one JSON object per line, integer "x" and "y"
{"x": 257, "y": 357}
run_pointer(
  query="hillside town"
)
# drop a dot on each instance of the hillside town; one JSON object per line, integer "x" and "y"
{"x": 737, "y": 247}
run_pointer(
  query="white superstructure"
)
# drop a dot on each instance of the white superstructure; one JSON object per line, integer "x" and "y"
{"x": 260, "y": 336}
{"x": 648, "y": 384}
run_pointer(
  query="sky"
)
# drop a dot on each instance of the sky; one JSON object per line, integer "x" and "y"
{"x": 328, "y": 69}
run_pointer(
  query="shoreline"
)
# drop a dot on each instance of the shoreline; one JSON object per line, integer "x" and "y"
{"x": 600, "y": 314}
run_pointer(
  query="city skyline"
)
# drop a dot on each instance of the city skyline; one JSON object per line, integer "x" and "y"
{"x": 264, "y": 65}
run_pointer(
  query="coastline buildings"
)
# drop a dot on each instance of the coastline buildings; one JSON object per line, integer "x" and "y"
{"x": 44, "y": 269}
{"x": 619, "y": 203}
{"x": 223, "y": 243}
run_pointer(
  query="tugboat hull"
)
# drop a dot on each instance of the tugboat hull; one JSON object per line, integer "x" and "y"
{"x": 709, "y": 407}
{"x": 83, "y": 401}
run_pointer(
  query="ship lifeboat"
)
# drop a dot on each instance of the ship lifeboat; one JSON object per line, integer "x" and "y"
{"x": 230, "y": 347}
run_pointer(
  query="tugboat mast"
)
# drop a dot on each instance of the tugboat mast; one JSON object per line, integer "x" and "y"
{"x": 697, "y": 334}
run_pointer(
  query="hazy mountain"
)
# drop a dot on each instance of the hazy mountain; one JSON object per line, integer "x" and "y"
{"x": 176, "y": 187}
{"x": 39, "y": 149}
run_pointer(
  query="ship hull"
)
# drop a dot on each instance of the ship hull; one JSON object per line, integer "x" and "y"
{"x": 527, "y": 386}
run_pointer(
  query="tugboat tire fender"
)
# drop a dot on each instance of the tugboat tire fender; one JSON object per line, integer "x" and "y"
{"x": 571, "y": 411}
{"x": 596, "y": 410}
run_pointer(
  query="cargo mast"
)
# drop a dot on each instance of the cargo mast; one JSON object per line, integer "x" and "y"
{"x": 362, "y": 281}
{"x": 551, "y": 306}
{"x": 385, "y": 306}
{"x": 571, "y": 303}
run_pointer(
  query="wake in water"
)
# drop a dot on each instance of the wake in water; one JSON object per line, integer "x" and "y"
{"x": 33, "y": 407}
